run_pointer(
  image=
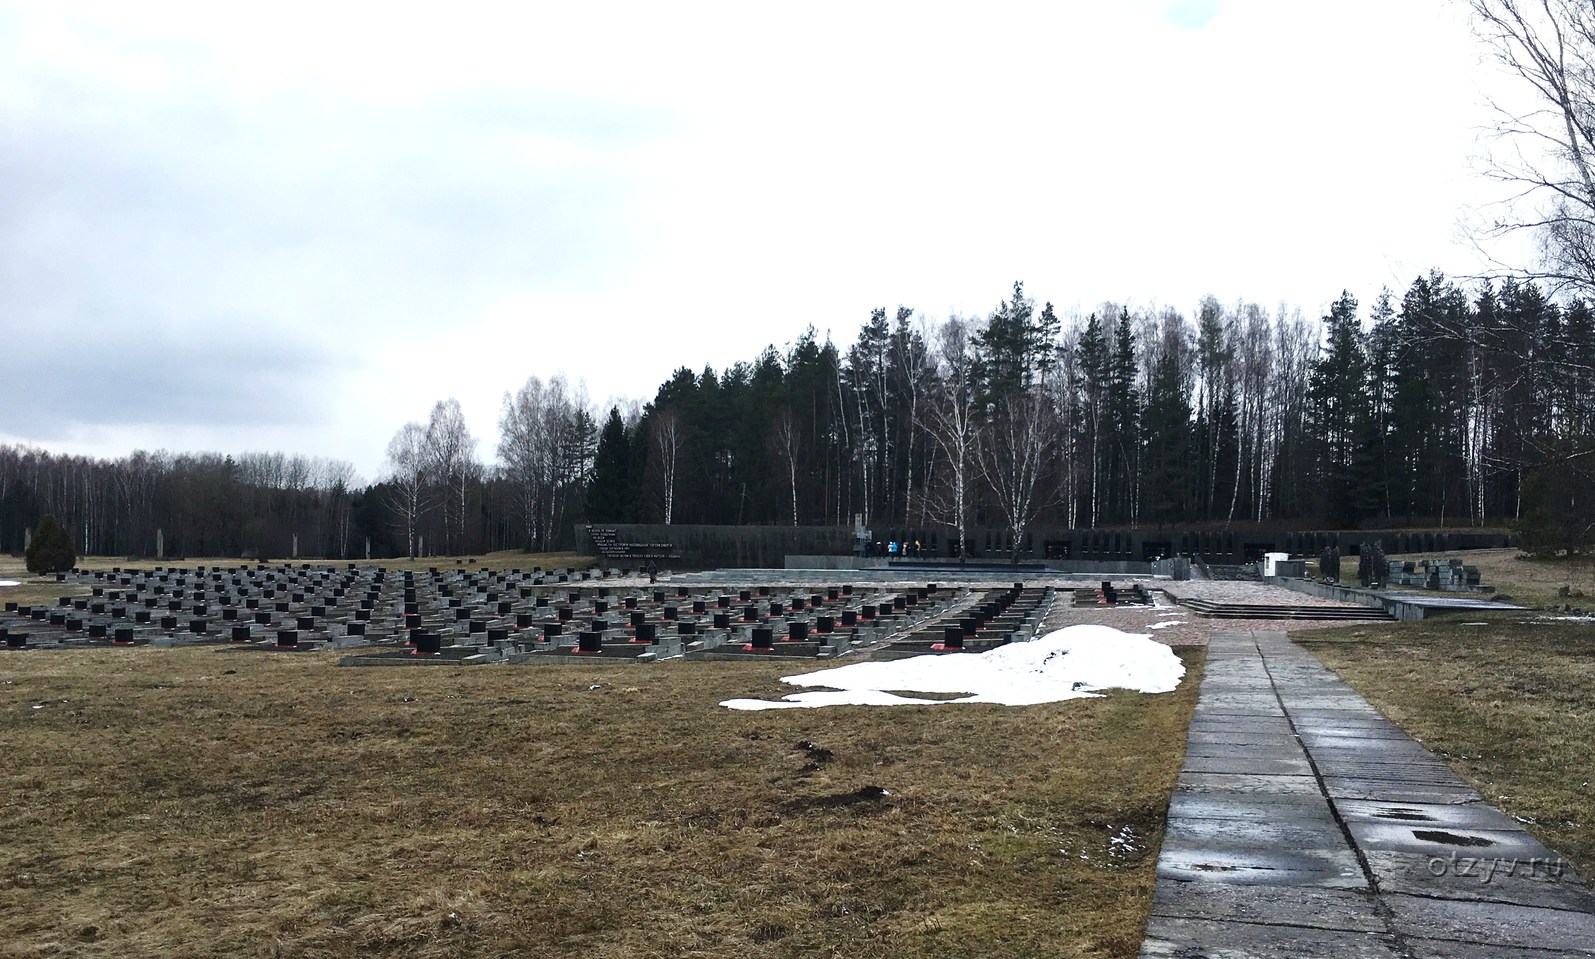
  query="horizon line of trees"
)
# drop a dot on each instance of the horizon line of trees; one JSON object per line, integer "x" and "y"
{"x": 1441, "y": 406}
{"x": 1437, "y": 407}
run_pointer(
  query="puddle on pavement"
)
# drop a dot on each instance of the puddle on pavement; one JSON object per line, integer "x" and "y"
{"x": 1450, "y": 838}
{"x": 1405, "y": 815}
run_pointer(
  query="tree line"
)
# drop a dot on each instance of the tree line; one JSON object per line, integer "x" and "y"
{"x": 1438, "y": 407}
{"x": 200, "y": 504}
{"x": 1442, "y": 406}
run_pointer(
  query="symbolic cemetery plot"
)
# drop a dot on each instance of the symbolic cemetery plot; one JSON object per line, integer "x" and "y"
{"x": 290, "y": 609}
{"x": 470, "y": 617}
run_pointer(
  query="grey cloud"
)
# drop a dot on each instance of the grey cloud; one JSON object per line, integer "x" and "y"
{"x": 147, "y": 378}
{"x": 99, "y": 167}
{"x": 402, "y": 200}
{"x": 189, "y": 260}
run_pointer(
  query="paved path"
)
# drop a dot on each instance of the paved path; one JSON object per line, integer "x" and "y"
{"x": 1306, "y": 824}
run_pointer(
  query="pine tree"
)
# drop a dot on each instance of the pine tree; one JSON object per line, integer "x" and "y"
{"x": 1383, "y": 345}
{"x": 1215, "y": 359}
{"x": 50, "y": 550}
{"x": 611, "y": 493}
{"x": 1017, "y": 347}
{"x": 1124, "y": 418}
{"x": 1094, "y": 371}
{"x": 1167, "y": 462}
{"x": 1430, "y": 398}
{"x": 1558, "y": 512}
{"x": 1579, "y": 328}
{"x": 1017, "y": 445}
{"x": 1338, "y": 413}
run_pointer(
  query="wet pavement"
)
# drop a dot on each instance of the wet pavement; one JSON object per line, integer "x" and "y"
{"x": 1306, "y": 824}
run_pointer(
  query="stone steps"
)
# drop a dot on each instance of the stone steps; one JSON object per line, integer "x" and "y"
{"x": 1211, "y": 610}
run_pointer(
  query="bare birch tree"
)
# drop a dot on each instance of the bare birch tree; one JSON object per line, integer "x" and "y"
{"x": 407, "y": 470}
{"x": 866, "y": 372}
{"x": 1013, "y": 455}
{"x": 911, "y": 367}
{"x": 664, "y": 426}
{"x": 338, "y": 479}
{"x": 1066, "y": 388}
{"x": 518, "y": 452}
{"x": 451, "y": 459}
{"x": 1259, "y": 441}
{"x": 784, "y": 441}
{"x": 954, "y": 426}
{"x": 1295, "y": 348}
{"x": 1549, "y": 45}
{"x": 545, "y": 448}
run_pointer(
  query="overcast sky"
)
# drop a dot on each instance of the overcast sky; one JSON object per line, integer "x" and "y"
{"x": 296, "y": 226}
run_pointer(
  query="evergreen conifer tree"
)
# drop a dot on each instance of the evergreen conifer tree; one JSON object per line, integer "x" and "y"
{"x": 1338, "y": 413}
{"x": 50, "y": 550}
{"x": 1167, "y": 461}
{"x": 610, "y": 494}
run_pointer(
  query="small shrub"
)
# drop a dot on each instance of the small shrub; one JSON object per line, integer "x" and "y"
{"x": 50, "y": 550}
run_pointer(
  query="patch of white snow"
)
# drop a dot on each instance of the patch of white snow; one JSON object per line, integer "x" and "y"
{"x": 829, "y": 697}
{"x": 1068, "y": 663}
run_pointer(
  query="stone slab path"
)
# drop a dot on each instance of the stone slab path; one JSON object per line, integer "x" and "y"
{"x": 1306, "y": 824}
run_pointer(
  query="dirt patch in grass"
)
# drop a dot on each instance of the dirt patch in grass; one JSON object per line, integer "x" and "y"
{"x": 1510, "y": 704}
{"x": 190, "y": 802}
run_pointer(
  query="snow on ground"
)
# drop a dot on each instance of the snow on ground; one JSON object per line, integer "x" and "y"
{"x": 1068, "y": 663}
{"x": 9, "y": 582}
{"x": 1165, "y": 624}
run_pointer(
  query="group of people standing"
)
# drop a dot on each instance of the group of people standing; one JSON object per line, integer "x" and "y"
{"x": 892, "y": 549}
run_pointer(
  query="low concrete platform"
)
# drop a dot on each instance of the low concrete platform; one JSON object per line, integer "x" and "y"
{"x": 1307, "y": 824}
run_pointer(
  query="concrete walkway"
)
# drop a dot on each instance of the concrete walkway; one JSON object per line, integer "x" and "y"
{"x": 1306, "y": 824}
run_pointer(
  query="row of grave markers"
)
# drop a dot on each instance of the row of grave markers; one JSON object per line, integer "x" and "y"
{"x": 126, "y": 606}
{"x": 302, "y": 607}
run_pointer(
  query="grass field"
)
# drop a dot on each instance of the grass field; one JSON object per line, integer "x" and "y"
{"x": 1513, "y": 574}
{"x": 1528, "y": 581}
{"x": 190, "y": 802}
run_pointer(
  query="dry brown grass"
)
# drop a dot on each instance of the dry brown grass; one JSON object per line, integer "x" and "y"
{"x": 1510, "y": 704}
{"x": 190, "y": 802}
{"x": 1528, "y": 581}
{"x": 1515, "y": 575}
